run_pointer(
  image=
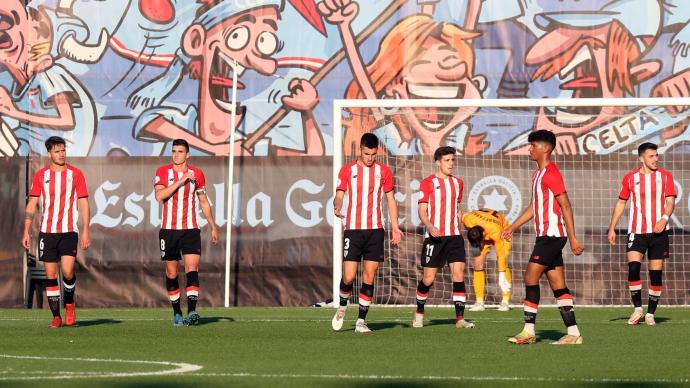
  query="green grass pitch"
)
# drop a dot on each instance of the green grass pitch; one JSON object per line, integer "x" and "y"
{"x": 296, "y": 347}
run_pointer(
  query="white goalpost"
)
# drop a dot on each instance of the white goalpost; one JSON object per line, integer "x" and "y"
{"x": 597, "y": 143}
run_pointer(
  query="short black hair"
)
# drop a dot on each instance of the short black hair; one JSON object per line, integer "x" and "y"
{"x": 475, "y": 235}
{"x": 53, "y": 141}
{"x": 646, "y": 146}
{"x": 369, "y": 140}
{"x": 443, "y": 151}
{"x": 543, "y": 136}
{"x": 181, "y": 142}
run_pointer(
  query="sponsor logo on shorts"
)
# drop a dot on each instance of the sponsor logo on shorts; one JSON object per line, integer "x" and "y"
{"x": 535, "y": 257}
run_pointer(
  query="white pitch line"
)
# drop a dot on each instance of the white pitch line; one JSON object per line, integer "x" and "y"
{"x": 180, "y": 367}
{"x": 435, "y": 378}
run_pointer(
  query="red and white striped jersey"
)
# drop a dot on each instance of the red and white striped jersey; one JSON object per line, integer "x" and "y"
{"x": 364, "y": 187}
{"x": 180, "y": 209}
{"x": 547, "y": 184}
{"x": 59, "y": 191}
{"x": 443, "y": 197}
{"x": 649, "y": 192}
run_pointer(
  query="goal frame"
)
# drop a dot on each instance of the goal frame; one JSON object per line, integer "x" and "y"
{"x": 340, "y": 104}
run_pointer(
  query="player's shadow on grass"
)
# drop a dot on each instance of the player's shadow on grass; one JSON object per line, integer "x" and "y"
{"x": 658, "y": 320}
{"x": 549, "y": 335}
{"x": 210, "y": 320}
{"x": 446, "y": 321}
{"x": 375, "y": 326}
{"x": 96, "y": 322}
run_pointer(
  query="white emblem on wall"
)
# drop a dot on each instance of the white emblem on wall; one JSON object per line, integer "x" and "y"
{"x": 497, "y": 193}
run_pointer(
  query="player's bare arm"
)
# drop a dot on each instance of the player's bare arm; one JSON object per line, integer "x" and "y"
{"x": 206, "y": 209}
{"x": 338, "y": 203}
{"x": 85, "y": 218}
{"x": 30, "y": 213}
{"x": 660, "y": 225}
{"x": 163, "y": 193}
{"x": 524, "y": 217}
{"x": 433, "y": 231}
{"x": 567, "y": 212}
{"x": 617, "y": 213}
{"x": 396, "y": 233}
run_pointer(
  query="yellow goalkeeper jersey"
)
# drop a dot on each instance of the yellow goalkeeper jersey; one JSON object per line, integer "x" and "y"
{"x": 493, "y": 222}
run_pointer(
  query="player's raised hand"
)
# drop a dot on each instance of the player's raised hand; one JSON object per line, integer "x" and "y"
{"x": 188, "y": 176}
{"x": 576, "y": 247}
{"x": 660, "y": 226}
{"x": 339, "y": 11}
{"x": 612, "y": 237}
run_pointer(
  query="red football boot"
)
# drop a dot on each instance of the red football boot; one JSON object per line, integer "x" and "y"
{"x": 70, "y": 315}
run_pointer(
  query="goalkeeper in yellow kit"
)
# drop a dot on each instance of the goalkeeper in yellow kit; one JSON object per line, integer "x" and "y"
{"x": 484, "y": 228}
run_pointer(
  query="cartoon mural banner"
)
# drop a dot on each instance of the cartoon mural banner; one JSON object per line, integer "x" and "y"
{"x": 283, "y": 217}
{"x": 121, "y": 77}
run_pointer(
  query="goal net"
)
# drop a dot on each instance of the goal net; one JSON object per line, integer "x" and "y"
{"x": 597, "y": 146}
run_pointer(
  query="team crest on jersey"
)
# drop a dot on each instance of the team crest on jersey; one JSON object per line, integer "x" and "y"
{"x": 497, "y": 193}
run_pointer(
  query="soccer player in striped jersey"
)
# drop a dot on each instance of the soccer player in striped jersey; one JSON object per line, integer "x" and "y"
{"x": 555, "y": 225}
{"x": 653, "y": 200}
{"x": 178, "y": 185}
{"x": 484, "y": 228}
{"x": 63, "y": 193}
{"x": 439, "y": 211}
{"x": 364, "y": 180}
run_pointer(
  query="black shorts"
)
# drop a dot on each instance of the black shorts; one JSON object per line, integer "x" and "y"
{"x": 655, "y": 245}
{"x": 175, "y": 243}
{"x": 548, "y": 251}
{"x": 52, "y": 246}
{"x": 437, "y": 251}
{"x": 364, "y": 244}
